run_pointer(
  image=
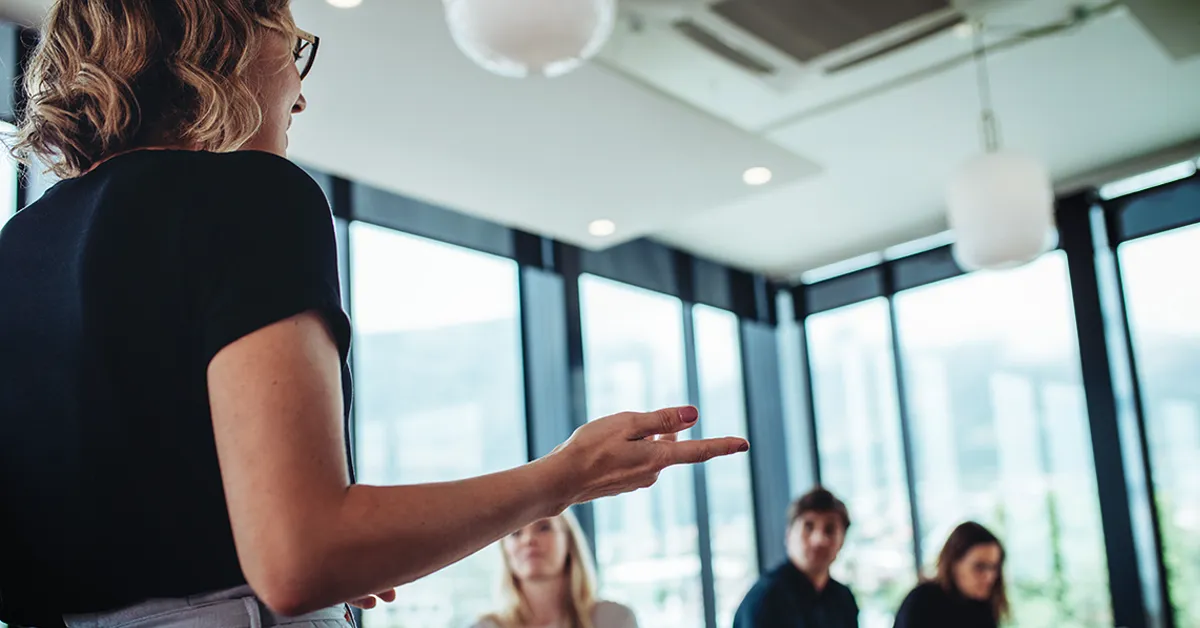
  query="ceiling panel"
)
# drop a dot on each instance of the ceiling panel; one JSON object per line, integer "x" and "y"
{"x": 859, "y": 161}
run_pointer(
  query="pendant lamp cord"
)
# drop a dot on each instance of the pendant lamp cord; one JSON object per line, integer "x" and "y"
{"x": 991, "y": 132}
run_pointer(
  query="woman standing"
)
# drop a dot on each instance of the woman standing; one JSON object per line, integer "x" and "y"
{"x": 968, "y": 591}
{"x": 174, "y": 389}
{"x": 549, "y": 581}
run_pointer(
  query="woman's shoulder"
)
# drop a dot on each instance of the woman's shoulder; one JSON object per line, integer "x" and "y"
{"x": 928, "y": 589}
{"x": 185, "y": 171}
{"x": 608, "y": 614}
{"x": 925, "y": 595}
{"x": 249, "y": 191}
{"x": 254, "y": 162}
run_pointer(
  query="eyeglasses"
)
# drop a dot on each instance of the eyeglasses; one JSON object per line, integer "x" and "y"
{"x": 305, "y": 51}
{"x": 985, "y": 568}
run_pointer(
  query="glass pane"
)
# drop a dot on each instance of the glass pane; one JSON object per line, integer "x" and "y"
{"x": 793, "y": 380}
{"x": 730, "y": 498}
{"x": 646, "y": 542}
{"x": 37, "y": 182}
{"x": 862, "y": 454}
{"x": 1000, "y": 433}
{"x": 8, "y": 177}
{"x": 1164, "y": 318}
{"x": 437, "y": 358}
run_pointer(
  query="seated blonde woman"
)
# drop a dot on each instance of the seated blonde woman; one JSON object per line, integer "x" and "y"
{"x": 549, "y": 581}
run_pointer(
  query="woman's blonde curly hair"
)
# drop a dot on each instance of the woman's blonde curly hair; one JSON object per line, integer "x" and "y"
{"x": 109, "y": 76}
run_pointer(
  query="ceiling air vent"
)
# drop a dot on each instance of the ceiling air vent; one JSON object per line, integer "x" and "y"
{"x": 701, "y": 49}
{"x": 919, "y": 33}
{"x": 708, "y": 40}
{"x": 808, "y": 29}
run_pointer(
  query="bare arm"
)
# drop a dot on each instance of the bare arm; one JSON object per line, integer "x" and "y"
{"x": 307, "y": 539}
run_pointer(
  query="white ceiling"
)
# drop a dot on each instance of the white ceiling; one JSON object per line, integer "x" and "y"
{"x": 656, "y": 142}
{"x": 393, "y": 102}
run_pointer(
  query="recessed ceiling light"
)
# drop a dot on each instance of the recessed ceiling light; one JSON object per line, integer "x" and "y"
{"x": 344, "y": 4}
{"x": 602, "y": 228}
{"x": 964, "y": 30}
{"x": 756, "y": 175}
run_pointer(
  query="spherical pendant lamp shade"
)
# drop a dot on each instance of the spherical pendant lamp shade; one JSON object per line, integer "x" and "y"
{"x": 1001, "y": 209}
{"x": 519, "y": 38}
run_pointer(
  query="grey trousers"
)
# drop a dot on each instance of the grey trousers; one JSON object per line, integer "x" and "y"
{"x": 235, "y": 608}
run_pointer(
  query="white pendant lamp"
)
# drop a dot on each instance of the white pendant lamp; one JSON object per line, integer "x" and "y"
{"x": 519, "y": 38}
{"x": 1000, "y": 205}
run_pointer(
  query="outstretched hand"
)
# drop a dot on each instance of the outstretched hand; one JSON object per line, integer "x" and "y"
{"x": 627, "y": 451}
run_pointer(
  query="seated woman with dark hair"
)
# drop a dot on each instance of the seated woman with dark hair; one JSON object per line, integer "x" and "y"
{"x": 968, "y": 591}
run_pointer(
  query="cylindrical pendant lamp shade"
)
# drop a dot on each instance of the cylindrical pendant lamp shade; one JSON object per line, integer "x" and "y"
{"x": 1001, "y": 209}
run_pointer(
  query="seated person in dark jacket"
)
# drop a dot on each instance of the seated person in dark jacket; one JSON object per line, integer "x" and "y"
{"x": 968, "y": 591}
{"x": 799, "y": 593}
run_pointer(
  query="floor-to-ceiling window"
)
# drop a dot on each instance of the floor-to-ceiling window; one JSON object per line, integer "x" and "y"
{"x": 794, "y": 407}
{"x": 1000, "y": 433}
{"x": 647, "y": 545}
{"x": 861, "y": 452}
{"x": 730, "y": 497}
{"x": 438, "y": 379}
{"x": 1163, "y": 303}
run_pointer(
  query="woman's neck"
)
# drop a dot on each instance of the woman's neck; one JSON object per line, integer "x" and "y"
{"x": 547, "y": 601}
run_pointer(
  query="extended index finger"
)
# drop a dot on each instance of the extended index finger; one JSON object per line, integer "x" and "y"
{"x": 703, "y": 450}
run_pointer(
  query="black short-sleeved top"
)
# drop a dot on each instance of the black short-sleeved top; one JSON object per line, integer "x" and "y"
{"x": 931, "y": 606}
{"x": 116, "y": 290}
{"x": 785, "y": 598}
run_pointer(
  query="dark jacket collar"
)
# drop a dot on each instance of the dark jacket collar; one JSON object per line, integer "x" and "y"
{"x": 800, "y": 582}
